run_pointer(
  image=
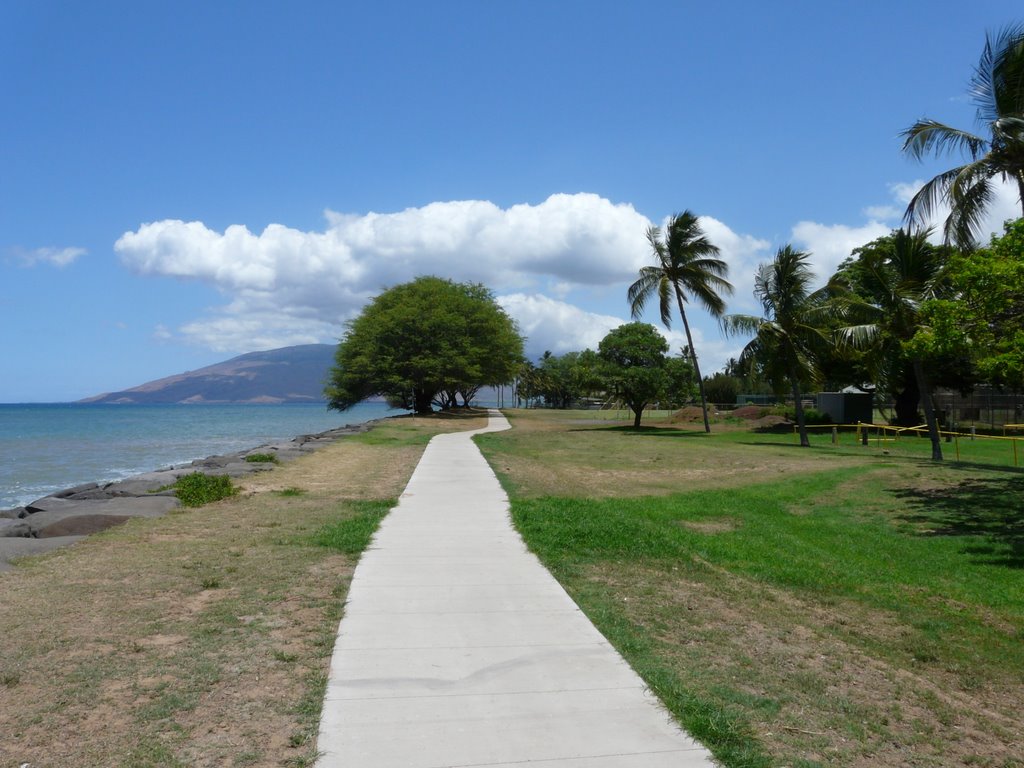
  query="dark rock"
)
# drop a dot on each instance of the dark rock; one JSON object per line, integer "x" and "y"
{"x": 78, "y": 489}
{"x": 48, "y": 503}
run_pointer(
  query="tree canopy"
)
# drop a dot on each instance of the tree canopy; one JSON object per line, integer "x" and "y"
{"x": 635, "y": 365}
{"x": 788, "y": 337}
{"x": 997, "y": 89}
{"x": 981, "y": 315}
{"x": 425, "y": 340}
{"x": 686, "y": 265}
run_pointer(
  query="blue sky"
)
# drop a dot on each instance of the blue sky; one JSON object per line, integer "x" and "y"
{"x": 183, "y": 182}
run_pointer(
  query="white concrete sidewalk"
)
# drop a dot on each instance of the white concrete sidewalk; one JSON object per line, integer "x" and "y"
{"x": 458, "y": 648}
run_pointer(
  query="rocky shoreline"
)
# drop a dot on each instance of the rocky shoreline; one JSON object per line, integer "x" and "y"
{"x": 66, "y": 516}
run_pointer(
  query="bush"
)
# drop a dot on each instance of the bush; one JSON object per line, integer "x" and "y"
{"x": 198, "y": 489}
{"x": 811, "y": 415}
{"x": 268, "y": 458}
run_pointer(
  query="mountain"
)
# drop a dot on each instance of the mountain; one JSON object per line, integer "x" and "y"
{"x": 286, "y": 375}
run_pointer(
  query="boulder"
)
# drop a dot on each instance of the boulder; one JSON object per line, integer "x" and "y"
{"x": 11, "y": 514}
{"x": 13, "y": 548}
{"x": 145, "y": 484}
{"x": 49, "y": 503}
{"x": 81, "y": 517}
{"x": 85, "y": 487}
{"x": 14, "y": 528}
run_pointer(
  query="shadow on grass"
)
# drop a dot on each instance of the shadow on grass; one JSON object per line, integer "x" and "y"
{"x": 643, "y": 431}
{"x": 989, "y": 510}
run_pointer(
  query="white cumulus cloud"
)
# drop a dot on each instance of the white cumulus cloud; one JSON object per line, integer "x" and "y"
{"x": 829, "y": 244}
{"x": 287, "y": 286}
{"x": 555, "y": 326}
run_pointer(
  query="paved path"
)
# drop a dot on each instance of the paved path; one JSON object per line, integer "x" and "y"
{"x": 459, "y": 649}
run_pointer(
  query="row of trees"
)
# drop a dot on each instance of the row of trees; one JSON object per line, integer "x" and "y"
{"x": 901, "y": 312}
{"x": 901, "y": 305}
{"x": 632, "y": 366}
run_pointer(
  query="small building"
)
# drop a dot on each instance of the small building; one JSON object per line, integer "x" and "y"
{"x": 847, "y": 407}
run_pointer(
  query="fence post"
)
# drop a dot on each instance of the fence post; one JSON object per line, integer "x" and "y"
{"x": 835, "y": 435}
{"x": 864, "y": 434}
{"x": 973, "y": 431}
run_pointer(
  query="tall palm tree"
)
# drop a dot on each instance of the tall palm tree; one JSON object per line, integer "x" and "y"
{"x": 899, "y": 279}
{"x": 788, "y": 336}
{"x": 687, "y": 266}
{"x": 997, "y": 88}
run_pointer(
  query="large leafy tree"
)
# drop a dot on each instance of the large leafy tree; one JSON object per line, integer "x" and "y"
{"x": 788, "y": 336}
{"x": 686, "y": 268}
{"x": 981, "y": 316}
{"x": 635, "y": 365}
{"x": 886, "y": 274}
{"x": 421, "y": 339}
{"x": 997, "y": 88}
{"x": 894, "y": 278}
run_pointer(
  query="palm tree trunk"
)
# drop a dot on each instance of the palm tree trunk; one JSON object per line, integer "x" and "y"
{"x": 696, "y": 367}
{"x": 929, "y": 410}
{"x": 798, "y": 406}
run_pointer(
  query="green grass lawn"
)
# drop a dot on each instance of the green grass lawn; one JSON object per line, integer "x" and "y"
{"x": 793, "y": 607}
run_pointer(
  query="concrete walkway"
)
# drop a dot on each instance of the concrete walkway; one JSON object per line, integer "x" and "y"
{"x": 458, "y": 648}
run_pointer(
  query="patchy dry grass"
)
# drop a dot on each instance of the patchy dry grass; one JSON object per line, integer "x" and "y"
{"x": 201, "y": 638}
{"x": 793, "y": 608}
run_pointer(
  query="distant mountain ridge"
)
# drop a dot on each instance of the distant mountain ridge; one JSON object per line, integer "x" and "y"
{"x": 287, "y": 375}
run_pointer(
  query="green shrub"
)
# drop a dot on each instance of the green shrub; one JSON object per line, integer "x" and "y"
{"x": 811, "y": 415}
{"x": 198, "y": 489}
{"x": 269, "y": 458}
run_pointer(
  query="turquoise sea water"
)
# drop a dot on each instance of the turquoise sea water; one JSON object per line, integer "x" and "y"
{"x": 45, "y": 448}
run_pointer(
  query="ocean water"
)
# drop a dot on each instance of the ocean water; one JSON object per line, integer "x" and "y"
{"x": 48, "y": 447}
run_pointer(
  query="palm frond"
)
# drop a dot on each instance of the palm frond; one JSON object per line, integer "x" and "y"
{"x": 997, "y": 86}
{"x": 927, "y": 137}
{"x": 740, "y": 325}
{"x": 970, "y": 196}
{"x": 930, "y": 197}
{"x": 857, "y": 336}
{"x": 641, "y": 290}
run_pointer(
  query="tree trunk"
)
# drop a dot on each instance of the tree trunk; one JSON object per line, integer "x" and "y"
{"x": 696, "y": 367}
{"x": 905, "y": 402}
{"x": 798, "y": 406}
{"x": 422, "y": 401}
{"x": 929, "y": 411}
{"x": 637, "y": 413}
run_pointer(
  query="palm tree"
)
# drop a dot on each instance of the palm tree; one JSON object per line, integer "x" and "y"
{"x": 898, "y": 279}
{"x": 687, "y": 265}
{"x": 997, "y": 88}
{"x": 787, "y": 338}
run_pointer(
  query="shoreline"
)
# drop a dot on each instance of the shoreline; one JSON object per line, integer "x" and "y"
{"x": 67, "y": 515}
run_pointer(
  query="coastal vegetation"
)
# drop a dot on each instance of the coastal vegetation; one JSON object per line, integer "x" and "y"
{"x": 199, "y": 488}
{"x": 429, "y": 341}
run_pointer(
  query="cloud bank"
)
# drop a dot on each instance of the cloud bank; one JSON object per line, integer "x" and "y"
{"x": 288, "y": 286}
{"x": 560, "y": 267}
